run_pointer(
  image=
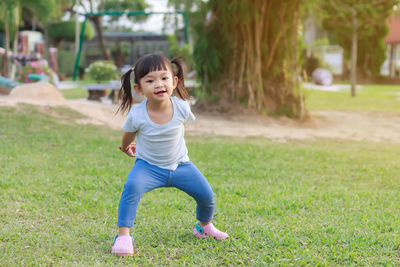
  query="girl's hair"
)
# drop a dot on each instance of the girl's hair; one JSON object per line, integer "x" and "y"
{"x": 143, "y": 66}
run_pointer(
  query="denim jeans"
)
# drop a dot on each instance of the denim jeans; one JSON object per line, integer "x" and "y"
{"x": 145, "y": 177}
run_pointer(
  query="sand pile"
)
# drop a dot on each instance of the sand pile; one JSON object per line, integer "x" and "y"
{"x": 37, "y": 91}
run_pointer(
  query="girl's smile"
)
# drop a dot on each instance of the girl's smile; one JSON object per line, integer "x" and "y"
{"x": 160, "y": 93}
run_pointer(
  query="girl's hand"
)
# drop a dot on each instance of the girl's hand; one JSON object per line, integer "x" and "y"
{"x": 130, "y": 150}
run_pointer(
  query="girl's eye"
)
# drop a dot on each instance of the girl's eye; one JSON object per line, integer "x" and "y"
{"x": 149, "y": 81}
{"x": 165, "y": 78}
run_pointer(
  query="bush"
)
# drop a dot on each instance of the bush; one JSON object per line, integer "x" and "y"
{"x": 35, "y": 67}
{"x": 175, "y": 50}
{"x": 102, "y": 71}
{"x": 65, "y": 30}
{"x": 66, "y": 62}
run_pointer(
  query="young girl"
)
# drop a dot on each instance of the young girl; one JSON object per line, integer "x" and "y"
{"x": 161, "y": 154}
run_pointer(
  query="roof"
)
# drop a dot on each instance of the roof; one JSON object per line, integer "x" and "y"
{"x": 128, "y": 36}
{"x": 394, "y": 31}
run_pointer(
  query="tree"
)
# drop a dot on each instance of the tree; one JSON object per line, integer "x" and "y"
{"x": 247, "y": 51}
{"x": 35, "y": 14}
{"x": 109, "y": 5}
{"x": 359, "y": 23}
{"x": 13, "y": 10}
{"x": 65, "y": 30}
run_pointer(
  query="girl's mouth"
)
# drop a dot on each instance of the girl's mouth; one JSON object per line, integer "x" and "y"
{"x": 160, "y": 92}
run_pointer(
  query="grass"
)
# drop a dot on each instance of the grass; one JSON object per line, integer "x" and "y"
{"x": 75, "y": 93}
{"x": 322, "y": 203}
{"x": 78, "y": 92}
{"x": 384, "y": 98}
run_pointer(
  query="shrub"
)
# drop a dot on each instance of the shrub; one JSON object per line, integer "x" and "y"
{"x": 36, "y": 67}
{"x": 65, "y": 30}
{"x": 102, "y": 71}
{"x": 176, "y": 50}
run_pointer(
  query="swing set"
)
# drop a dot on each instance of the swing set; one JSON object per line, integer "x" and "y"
{"x": 119, "y": 13}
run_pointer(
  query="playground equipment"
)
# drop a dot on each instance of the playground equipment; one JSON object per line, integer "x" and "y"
{"x": 120, "y": 13}
{"x": 29, "y": 64}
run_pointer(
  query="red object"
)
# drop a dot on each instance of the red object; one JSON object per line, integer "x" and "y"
{"x": 133, "y": 148}
{"x": 394, "y": 31}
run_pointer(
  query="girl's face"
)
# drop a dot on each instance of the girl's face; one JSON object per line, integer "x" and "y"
{"x": 157, "y": 85}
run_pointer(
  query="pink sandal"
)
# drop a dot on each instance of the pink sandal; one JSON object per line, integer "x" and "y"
{"x": 207, "y": 231}
{"x": 122, "y": 245}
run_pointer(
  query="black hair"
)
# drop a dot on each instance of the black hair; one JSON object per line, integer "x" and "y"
{"x": 143, "y": 66}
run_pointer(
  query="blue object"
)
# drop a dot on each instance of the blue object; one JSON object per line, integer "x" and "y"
{"x": 145, "y": 177}
{"x": 38, "y": 77}
{"x": 8, "y": 83}
{"x": 199, "y": 228}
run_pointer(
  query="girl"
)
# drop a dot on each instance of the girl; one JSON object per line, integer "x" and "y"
{"x": 161, "y": 154}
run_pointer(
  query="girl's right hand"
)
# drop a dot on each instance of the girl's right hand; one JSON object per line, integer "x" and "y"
{"x": 130, "y": 150}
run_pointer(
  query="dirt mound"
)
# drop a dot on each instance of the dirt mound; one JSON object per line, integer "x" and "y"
{"x": 37, "y": 91}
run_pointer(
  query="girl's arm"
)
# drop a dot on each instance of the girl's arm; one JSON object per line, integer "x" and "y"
{"x": 127, "y": 146}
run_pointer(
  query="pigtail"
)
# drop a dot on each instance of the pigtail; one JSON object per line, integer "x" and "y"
{"x": 183, "y": 94}
{"x": 125, "y": 93}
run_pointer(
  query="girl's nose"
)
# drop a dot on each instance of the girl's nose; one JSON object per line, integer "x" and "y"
{"x": 158, "y": 84}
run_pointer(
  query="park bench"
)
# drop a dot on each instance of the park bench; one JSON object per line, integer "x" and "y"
{"x": 98, "y": 90}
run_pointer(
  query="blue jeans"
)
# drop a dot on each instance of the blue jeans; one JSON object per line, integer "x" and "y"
{"x": 145, "y": 177}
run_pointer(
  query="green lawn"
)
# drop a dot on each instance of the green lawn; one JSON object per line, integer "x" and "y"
{"x": 78, "y": 92}
{"x": 369, "y": 97}
{"x": 75, "y": 93}
{"x": 324, "y": 202}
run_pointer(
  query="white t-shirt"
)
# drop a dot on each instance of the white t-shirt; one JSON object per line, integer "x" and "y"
{"x": 162, "y": 145}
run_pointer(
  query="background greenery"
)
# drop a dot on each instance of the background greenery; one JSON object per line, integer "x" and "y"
{"x": 298, "y": 203}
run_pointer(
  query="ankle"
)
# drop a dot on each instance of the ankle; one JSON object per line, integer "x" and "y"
{"x": 202, "y": 224}
{"x": 123, "y": 231}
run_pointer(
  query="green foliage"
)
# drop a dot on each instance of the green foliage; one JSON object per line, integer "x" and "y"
{"x": 101, "y": 71}
{"x": 41, "y": 9}
{"x": 371, "y": 52}
{"x": 123, "y": 48}
{"x": 7, "y": 16}
{"x": 175, "y": 50}
{"x": 66, "y": 62}
{"x": 249, "y": 50}
{"x": 36, "y": 67}
{"x": 126, "y": 5}
{"x": 65, "y": 30}
{"x": 211, "y": 49}
{"x": 371, "y": 20}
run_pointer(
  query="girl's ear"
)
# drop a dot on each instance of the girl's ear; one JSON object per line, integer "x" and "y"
{"x": 138, "y": 89}
{"x": 175, "y": 80}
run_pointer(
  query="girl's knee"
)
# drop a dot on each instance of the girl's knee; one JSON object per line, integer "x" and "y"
{"x": 207, "y": 199}
{"x": 134, "y": 187}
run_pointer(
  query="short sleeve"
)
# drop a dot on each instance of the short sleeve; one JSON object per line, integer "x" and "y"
{"x": 129, "y": 125}
{"x": 189, "y": 115}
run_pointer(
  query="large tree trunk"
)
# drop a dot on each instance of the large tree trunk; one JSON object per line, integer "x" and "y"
{"x": 6, "y": 42}
{"x": 257, "y": 52}
{"x": 15, "y": 42}
{"x": 353, "y": 71}
{"x": 99, "y": 30}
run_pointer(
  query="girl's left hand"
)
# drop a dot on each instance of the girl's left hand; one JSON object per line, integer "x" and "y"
{"x": 130, "y": 150}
